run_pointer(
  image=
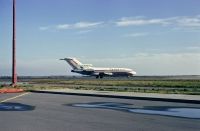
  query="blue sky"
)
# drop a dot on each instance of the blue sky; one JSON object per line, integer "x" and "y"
{"x": 157, "y": 37}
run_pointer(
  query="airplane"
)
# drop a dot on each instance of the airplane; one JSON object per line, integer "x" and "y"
{"x": 88, "y": 69}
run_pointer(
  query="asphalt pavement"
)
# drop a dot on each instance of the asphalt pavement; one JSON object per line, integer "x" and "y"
{"x": 55, "y": 112}
{"x": 127, "y": 95}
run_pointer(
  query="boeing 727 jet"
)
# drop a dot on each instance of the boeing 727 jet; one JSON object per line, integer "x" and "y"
{"x": 88, "y": 69}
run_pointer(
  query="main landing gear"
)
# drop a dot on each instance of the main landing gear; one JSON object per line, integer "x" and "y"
{"x": 99, "y": 76}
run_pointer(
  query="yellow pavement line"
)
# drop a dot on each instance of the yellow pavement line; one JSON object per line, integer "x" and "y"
{"x": 14, "y": 97}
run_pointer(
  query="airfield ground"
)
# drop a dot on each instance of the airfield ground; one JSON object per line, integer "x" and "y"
{"x": 61, "y": 111}
{"x": 164, "y": 85}
{"x": 50, "y": 112}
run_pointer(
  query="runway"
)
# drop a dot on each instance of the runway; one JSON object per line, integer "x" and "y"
{"x": 50, "y": 112}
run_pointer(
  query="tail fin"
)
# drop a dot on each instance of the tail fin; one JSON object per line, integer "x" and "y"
{"x": 73, "y": 62}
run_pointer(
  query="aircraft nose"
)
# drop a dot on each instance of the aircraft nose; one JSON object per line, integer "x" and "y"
{"x": 133, "y": 73}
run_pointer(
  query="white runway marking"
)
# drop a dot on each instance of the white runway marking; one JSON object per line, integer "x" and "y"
{"x": 14, "y": 97}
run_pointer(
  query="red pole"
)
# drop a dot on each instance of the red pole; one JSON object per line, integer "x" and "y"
{"x": 14, "y": 74}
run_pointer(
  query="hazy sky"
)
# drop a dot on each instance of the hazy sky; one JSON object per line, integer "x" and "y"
{"x": 153, "y": 37}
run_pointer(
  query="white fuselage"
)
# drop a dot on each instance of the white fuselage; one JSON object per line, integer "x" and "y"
{"x": 88, "y": 69}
